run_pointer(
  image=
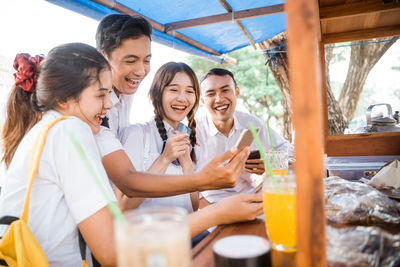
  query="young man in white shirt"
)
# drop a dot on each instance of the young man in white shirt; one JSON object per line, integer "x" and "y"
{"x": 125, "y": 42}
{"x": 219, "y": 130}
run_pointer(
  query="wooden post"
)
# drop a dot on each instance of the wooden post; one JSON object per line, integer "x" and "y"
{"x": 305, "y": 86}
{"x": 324, "y": 98}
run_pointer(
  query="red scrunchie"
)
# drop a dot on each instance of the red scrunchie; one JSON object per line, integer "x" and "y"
{"x": 27, "y": 71}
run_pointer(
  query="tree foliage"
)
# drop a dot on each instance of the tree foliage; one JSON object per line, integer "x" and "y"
{"x": 258, "y": 90}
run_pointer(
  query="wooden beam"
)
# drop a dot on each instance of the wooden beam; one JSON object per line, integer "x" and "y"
{"x": 324, "y": 99}
{"x": 240, "y": 25}
{"x": 305, "y": 86}
{"x": 361, "y": 34}
{"x": 114, "y": 5}
{"x": 356, "y": 8}
{"x": 238, "y": 15}
{"x": 367, "y": 144}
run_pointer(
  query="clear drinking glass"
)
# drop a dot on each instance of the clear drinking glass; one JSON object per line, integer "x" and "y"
{"x": 154, "y": 237}
{"x": 280, "y": 211}
{"x": 278, "y": 161}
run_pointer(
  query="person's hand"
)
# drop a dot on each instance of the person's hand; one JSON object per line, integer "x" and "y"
{"x": 220, "y": 174}
{"x": 255, "y": 166}
{"x": 185, "y": 160}
{"x": 239, "y": 208}
{"x": 175, "y": 147}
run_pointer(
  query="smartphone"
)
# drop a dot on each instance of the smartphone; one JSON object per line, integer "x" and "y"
{"x": 245, "y": 139}
{"x": 255, "y": 154}
{"x": 182, "y": 128}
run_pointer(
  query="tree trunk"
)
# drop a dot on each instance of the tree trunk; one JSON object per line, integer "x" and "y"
{"x": 277, "y": 62}
{"x": 362, "y": 59}
{"x": 336, "y": 120}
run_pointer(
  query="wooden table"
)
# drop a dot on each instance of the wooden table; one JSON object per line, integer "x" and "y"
{"x": 202, "y": 254}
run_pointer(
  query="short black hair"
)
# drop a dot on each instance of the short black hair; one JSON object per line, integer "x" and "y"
{"x": 115, "y": 28}
{"x": 218, "y": 72}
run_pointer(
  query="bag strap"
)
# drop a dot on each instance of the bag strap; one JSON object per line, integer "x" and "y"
{"x": 82, "y": 250}
{"x": 8, "y": 219}
{"x": 34, "y": 162}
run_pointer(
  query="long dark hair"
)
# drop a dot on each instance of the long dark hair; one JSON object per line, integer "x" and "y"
{"x": 163, "y": 77}
{"x": 64, "y": 73}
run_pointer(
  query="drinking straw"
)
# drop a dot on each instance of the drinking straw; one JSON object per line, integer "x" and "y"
{"x": 112, "y": 206}
{"x": 270, "y": 144}
{"x": 263, "y": 156}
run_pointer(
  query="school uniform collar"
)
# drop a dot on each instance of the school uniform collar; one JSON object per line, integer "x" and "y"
{"x": 213, "y": 131}
{"x": 118, "y": 99}
{"x": 238, "y": 125}
{"x": 168, "y": 128}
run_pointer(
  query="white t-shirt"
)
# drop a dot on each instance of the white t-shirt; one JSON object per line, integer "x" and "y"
{"x": 143, "y": 144}
{"x": 213, "y": 143}
{"x": 63, "y": 192}
{"x": 118, "y": 117}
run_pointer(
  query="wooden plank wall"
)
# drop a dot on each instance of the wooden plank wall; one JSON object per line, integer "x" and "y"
{"x": 366, "y": 144}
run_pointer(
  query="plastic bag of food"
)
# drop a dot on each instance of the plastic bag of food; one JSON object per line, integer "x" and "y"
{"x": 359, "y": 246}
{"x": 357, "y": 203}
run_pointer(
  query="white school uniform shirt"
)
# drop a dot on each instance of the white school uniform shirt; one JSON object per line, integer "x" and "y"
{"x": 214, "y": 143}
{"x": 63, "y": 192}
{"x": 143, "y": 144}
{"x": 118, "y": 117}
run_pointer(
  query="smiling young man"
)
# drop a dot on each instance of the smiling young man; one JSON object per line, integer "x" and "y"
{"x": 125, "y": 42}
{"x": 221, "y": 127}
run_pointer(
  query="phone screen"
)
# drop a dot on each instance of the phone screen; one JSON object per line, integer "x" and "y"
{"x": 255, "y": 154}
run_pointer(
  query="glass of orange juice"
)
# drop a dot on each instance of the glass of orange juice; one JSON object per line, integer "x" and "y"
{"x": 278, "y": 161}
{"x": 280, "y": 211}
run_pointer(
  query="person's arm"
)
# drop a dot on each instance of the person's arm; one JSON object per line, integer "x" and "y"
{"x": 176, "y": 146}
{"x": 215, "y": 175}
{"x": 237, "y": 208}
{"x": 98, "y": 232}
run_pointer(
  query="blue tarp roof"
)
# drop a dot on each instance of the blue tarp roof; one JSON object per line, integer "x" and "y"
{"x": 222, "y": 37}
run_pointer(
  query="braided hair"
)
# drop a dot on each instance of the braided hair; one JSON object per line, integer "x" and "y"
{"x": 163, "y": 77}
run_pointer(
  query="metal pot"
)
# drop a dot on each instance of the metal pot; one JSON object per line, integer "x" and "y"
{"x": 381, "y": 123}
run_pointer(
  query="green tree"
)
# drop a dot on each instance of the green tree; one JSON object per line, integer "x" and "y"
{"x": 259, "y": 94}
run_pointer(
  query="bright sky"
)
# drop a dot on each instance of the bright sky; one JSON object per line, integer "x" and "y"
{"x": 36, "y": 26}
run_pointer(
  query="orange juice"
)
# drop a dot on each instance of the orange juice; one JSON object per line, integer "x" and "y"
{"x": 279, "y": 171}
{"x": 280, "y": 220}
{"x": 280, "y": 212}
